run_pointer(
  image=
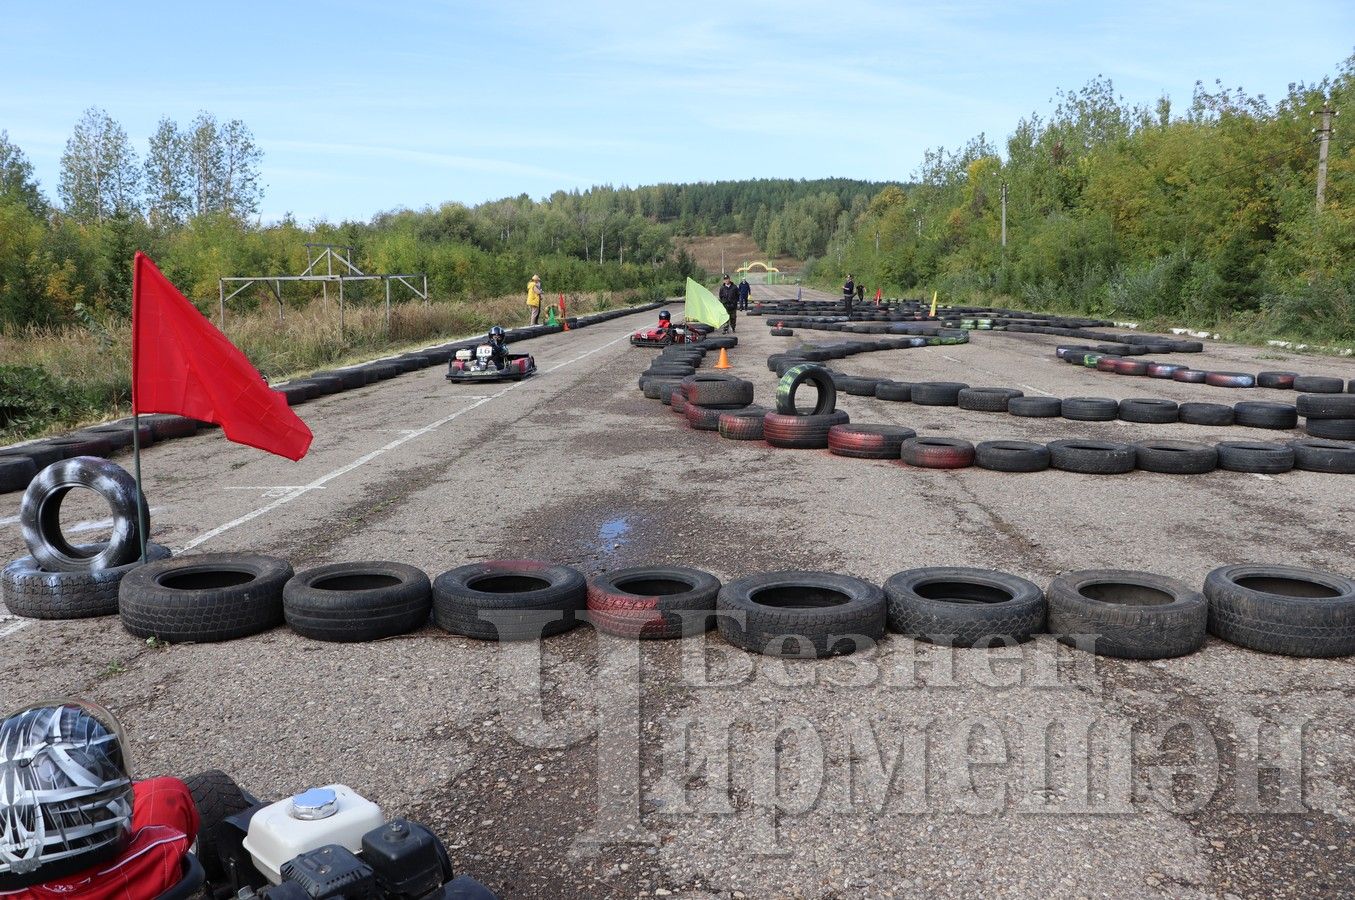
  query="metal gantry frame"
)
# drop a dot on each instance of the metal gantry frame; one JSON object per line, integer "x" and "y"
{"x": 329, "y": 256}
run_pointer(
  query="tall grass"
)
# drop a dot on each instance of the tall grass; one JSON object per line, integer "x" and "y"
{"x": 54, "y": 379}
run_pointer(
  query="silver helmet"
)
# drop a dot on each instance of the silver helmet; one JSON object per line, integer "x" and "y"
{"x": 65, "y": 791}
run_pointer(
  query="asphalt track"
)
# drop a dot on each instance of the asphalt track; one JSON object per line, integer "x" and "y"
{"x": 909, "y": 770}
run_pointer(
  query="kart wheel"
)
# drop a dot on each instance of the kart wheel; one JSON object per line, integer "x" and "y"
{"x": 216, "y": 797}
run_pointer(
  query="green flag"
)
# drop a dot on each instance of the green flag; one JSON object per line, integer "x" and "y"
{"x": 702, "y": 306}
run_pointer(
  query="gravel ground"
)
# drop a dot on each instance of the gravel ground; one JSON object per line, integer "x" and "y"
{"x": 589, "y": 767}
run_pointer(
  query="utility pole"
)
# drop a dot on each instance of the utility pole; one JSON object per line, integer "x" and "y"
{"x": 722, "y": 260}
{"x": 1004, "y": 215}
{"x": 877, "y": 243}
{"x": 1324, "y": 138}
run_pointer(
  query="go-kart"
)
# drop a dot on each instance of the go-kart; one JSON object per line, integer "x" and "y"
{"x": 684, "y": 333}
{"x": 478, "y": 365}
{"x": 327, "y": 843}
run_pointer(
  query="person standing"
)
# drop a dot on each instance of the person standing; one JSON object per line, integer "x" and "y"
{"x": 729, "y": 299}
{"x": 534, "y": 299}
{"x": 848, "y": 293}
{"x": 745, "y": 289}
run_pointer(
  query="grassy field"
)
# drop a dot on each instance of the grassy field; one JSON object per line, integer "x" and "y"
{"x": 53, "y": 380}
{"x": 739, "y": 249}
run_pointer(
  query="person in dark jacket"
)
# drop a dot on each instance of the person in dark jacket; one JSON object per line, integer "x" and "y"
{"x": 729, "y": 299}
{"x": 848, "y": 293}
{"x": 744, "y": 290}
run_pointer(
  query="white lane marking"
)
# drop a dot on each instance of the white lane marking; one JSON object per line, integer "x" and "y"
{"x": 79, "y": 526}
{"x": 294, "y": 493}
{"x": 1262, "y": 477}
{"x": 951, "y": 358}
{"x": 11, "y": 624}
{"x": 1036, "y": 390}
{"x": 9, "y": 520}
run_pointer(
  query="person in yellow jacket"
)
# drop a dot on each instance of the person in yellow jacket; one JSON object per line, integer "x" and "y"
{"x": 534, "y": 298}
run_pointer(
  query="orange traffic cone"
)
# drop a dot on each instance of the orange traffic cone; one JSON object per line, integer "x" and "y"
{"x": 563, "y": 323}
{"x": 723, "y": 362}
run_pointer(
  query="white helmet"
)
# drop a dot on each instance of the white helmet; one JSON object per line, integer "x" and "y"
{"x": 65, "y": 792}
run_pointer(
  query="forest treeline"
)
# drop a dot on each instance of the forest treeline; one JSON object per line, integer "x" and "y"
{"x": 191, "y": 201}
{"x": 1205, "y": 215}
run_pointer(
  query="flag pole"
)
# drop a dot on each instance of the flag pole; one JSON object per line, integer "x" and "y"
{"x": 136, "y": 421}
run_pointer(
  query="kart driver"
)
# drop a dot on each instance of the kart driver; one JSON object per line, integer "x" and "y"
{"x": 498, "y": 350}
{"x": 665, "y": 323}
{"x": 72, "y": 824}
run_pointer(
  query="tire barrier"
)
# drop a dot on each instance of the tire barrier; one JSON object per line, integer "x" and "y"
{"x": 29, "y": 590}
{"x": 1091, "y": 457}
{"x": 868, "y": 441}
{"x": 937, "y": 453}
{"x": 653, "y": 602}
{"x": 962, "y": 607}
{"x": 1282, "y": 609}
{"x": 105, "y": 439}
{"x": 742, "y": 424}
{"x": 803, "y": 432}
{"x": 1012, "y": 456}
{"x": 801, "y": 615}
{"x": 357, "y": 601}
{"x": 1134, "y": 615}
{"x": 938, "y": 393}
{"x": 1175, "y": 457}
{"x": 40, "y": 515}
{"x": 796, "y": 377}
{"x": 204, "y": 598}
{"x": 509, "y": 600}
{"x": 1104, "y": 362}
{"x": 1255, "y": 457}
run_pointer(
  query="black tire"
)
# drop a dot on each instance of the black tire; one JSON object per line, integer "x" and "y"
{"x": 120, "y": 434}
{"x": 653, "y": 602}
{"x": 1012, "y": 456}
{"x": 868, "y": 441}
{"x": 40, "y": 515}
{"x": 42, "y": 453}
{"x": 1319, "y": 384}
{"x": 1206, "y": 413}
{"x": 1090, "y": 409}
{"x": 1176, "y": 457}
{"x": 1331, "y": 429}
{"x": 937, "y": 453}
{"x": 861, "y": 387}
{"x": 1263, "y": 414}
{"x": 718, "y": 390}
{"x": 963, "y": 607}
{"x": 790, "y": 383}
{"x": 821, "y": 613}
{"x": 1326, "y": 406}
{"x": 16, "y": 472}
{"x": 508, "y": 600}
{"x": 29, "y": 590}
{"x": 721, "y": 342}
{"x": 805, "y": 432}
{"x": 896, "y": 391}
{"x": 1190, "y": 376}
{"x": 216, "y": 797}
{"x": 1148, "y": 410}
{"x": 782, "y": 332}
{"x": 1255, "y": 456}
{"x": 166, "y": 427}
{"x": 204, "y": 598}
{"x": 357, "y": 601}
{"x": 1092, "y": 457}
{"x": 666, "y": 392}
{"x": 1282, "y": 609}
{"x": 1332, "y": 457}
{"x": 1035, "y": 407}
{"x": 1133, "y": 615}
{"x": 937, "y": 393}
{"x": 1280, "y": 380}
{"x": 986, "y": 399}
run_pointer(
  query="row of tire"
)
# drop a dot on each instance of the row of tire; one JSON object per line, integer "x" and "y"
{"x": 20, "y": 464}
{"x": 1095, "y": 358}
{"x": 223, "y": 596}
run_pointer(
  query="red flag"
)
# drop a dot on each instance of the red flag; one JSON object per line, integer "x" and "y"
{"x": 879, "y": 295}
{"x": 182, "y": 365}
{"x": 563, "y": 323}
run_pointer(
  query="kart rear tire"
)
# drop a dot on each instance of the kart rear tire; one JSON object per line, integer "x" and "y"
{"x": 509, "y": 600}
{"x": 204, "y": 598}
{"x": 216, "y": 797}
{"x": 357, "y": 601}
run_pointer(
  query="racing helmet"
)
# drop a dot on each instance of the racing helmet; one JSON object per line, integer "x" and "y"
{"x": 65, "y": 791}
{"x": 496, "y": 334}
{"x": 664, "y": 316}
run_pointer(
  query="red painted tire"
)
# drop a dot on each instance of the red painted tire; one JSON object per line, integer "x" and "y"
{"x": 1190, "y": 376}
{"x": 801, "y": 432}
{"x": 868, "y": 441}
{"x": 1107, "y": 363}
{"x": 653, "y": 602}
{"x": 937, "y": 453}
{"x": 742, "y": 424}
{"x": 1131, "y": 367}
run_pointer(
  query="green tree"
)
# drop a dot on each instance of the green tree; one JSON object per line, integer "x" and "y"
{"x": 100, "y": 177}
{"x": 16, "y": 177}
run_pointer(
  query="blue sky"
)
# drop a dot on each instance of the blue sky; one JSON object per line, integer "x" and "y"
{"x": 361, "y": 107}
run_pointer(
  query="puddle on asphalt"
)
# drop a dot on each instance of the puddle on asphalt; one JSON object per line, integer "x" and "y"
{"x": 613, "y": 530}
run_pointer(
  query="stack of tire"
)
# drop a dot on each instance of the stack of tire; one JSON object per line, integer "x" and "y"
{"x": 709, "y": 396}
{"x": 793, "y": 428}
{"x": 1329, "y": 420}
{"x": 62, "y": 580}
{"x": 669, "y": 368}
